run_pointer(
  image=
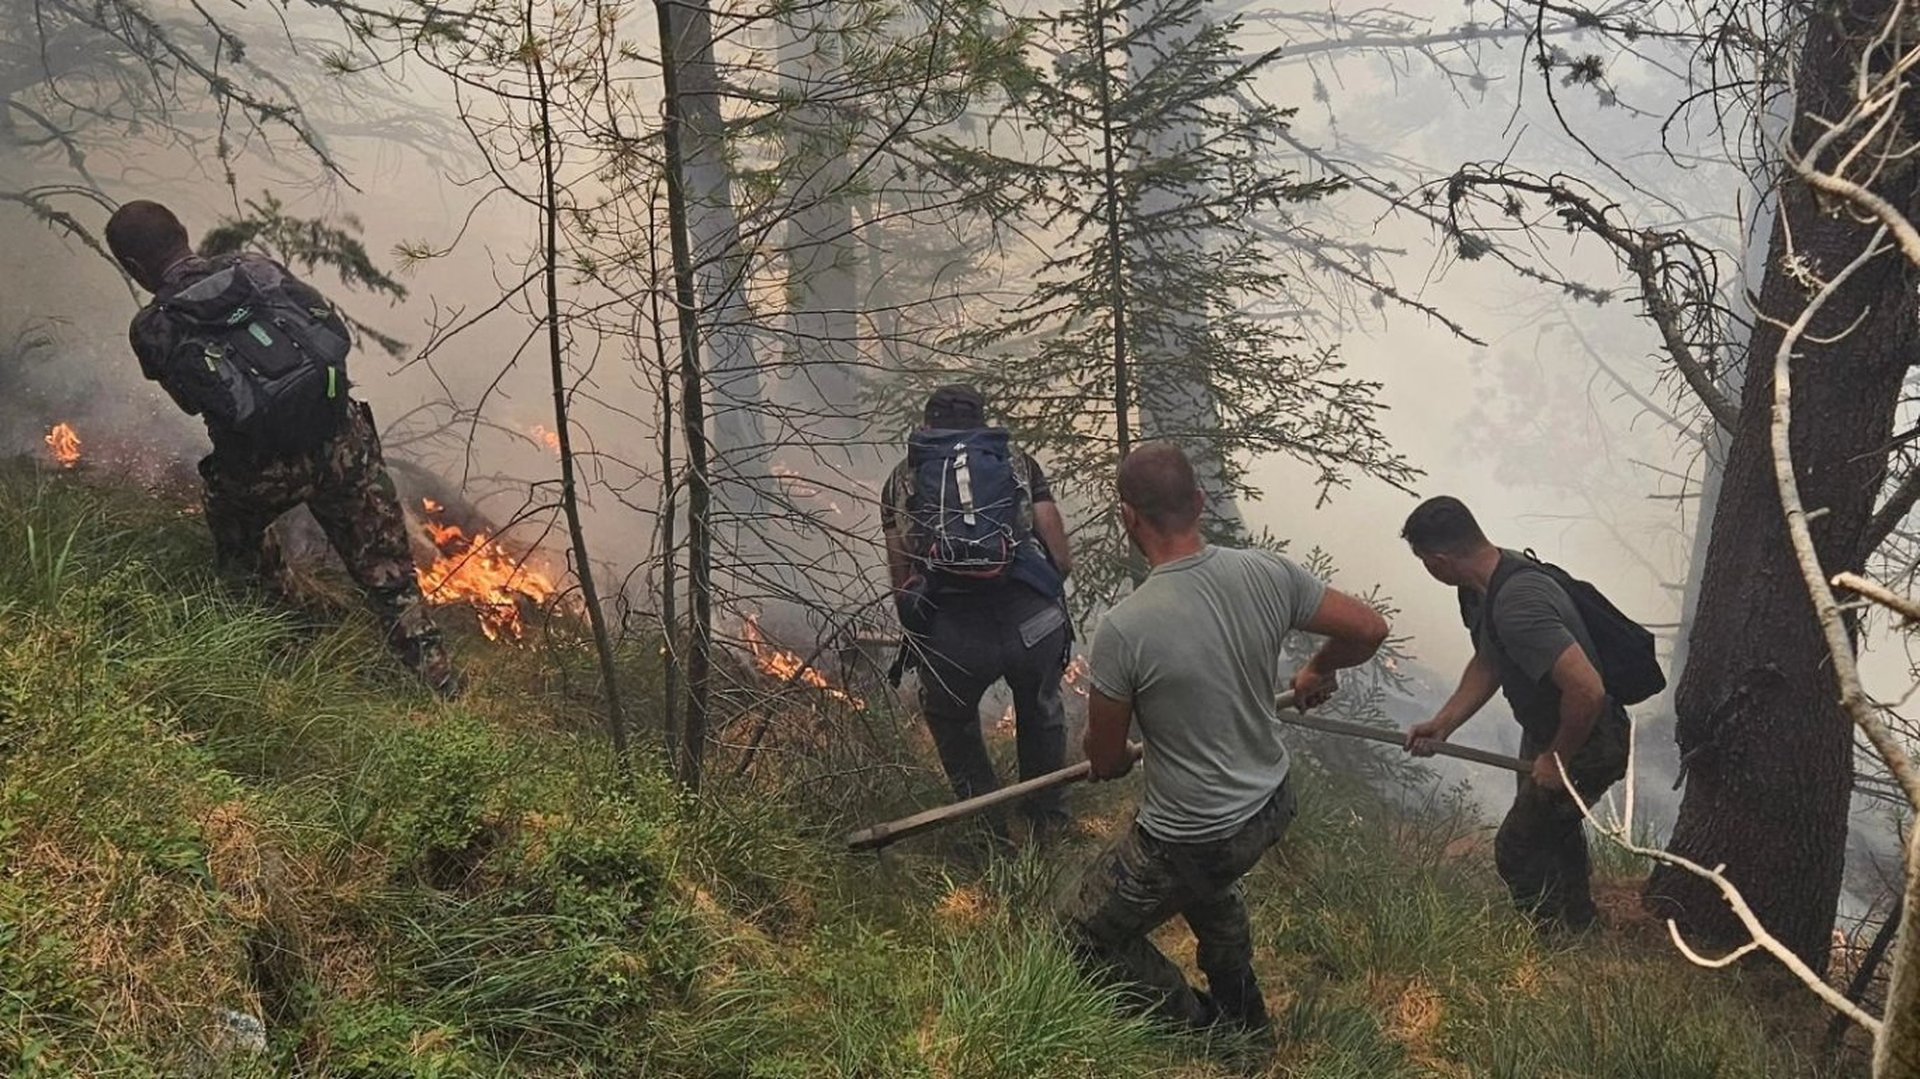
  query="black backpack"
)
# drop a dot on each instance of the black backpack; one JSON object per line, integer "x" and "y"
{"x": 1628, "y": 665}
{"x": 254, "y": 360}
{"x": 970, "y": 508}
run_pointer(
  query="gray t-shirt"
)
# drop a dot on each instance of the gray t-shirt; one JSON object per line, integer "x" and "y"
{"x": 1196, "y": 649}
{"x": 1534, "y": 620}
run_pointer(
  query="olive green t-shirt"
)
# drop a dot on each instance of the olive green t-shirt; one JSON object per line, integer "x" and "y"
{"x": 1196, "y": 650}
{"x": 1533, "y": 623}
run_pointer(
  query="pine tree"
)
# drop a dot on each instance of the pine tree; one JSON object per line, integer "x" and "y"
{"x": 1141, "y": 151}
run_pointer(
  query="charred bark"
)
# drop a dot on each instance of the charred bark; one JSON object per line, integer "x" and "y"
{"x": 1765, "y": 746}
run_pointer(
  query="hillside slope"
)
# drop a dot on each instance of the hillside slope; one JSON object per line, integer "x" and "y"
{"x": 235, "y": 840}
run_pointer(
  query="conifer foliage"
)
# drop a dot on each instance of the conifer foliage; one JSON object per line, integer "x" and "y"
{"x": 1126, "y": 163}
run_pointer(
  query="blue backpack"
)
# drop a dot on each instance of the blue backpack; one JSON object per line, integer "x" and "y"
{"x": 970, "y": 509}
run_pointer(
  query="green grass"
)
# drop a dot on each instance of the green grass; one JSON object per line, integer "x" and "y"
{"x": 210, "y": 805}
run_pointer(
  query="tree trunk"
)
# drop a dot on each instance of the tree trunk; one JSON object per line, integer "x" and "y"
{"x": 669, "y": 500}
{"x": 1172, "y": 382}
{"x": 693, "y": 396}
{"x": 719, "y": 260}
{"x": 1897, "y": 1054}
{"x": 1765, "y": 746}
{"x": 820, "y": 240}
{"x": 550, "y": 210}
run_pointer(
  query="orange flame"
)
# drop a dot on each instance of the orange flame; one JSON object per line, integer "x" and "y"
{"x": 549, "y": 439}
{"x": 788, "y": 666}
{"x": 64, "y": 442}
{"x": 476, "y": 570}
{"x": 1076, "y": 675}
{"x": 798, "y": 486}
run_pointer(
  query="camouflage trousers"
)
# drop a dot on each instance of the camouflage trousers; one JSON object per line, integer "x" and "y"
{"x": 1140, "y": 882}
{"x": 1540, "y": 850}
{"x": 346, "y": 486}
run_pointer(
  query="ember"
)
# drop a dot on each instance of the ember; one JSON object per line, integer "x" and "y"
{"x": 478, "y": 571}
{"x": 64, "y": 442}
{"x": 788, "y": 666}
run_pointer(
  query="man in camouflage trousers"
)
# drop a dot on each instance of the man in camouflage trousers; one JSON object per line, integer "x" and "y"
{"x": 343, "y": 482}
{"x": 1192, "y": 656}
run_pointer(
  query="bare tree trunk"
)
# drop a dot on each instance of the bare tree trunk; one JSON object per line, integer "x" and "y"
{"x": 556, "y": 355}
{"x": 821, "y": 292}
{"x": 717, "y": 255}
{"x": 1766, "y": 748}
{"x": 692, "y": 390}
{"x": 669, "y": 507}
{"x": 1897, "y": 1056}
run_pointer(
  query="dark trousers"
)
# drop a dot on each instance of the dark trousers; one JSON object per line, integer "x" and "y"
{"x": 1541, "y": 847}
{"x": 974, "y": 641}
{"x": 1140, "y": 882}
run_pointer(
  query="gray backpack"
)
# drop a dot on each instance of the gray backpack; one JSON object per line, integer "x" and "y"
{"x": 255, "y": 360}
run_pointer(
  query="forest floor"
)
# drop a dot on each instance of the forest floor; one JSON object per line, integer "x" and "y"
{"x": 236, "y": 840}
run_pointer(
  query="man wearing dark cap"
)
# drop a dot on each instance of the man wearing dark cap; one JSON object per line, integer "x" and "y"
{"x": 977, "y": 553}
{"x": 260, "y": 356}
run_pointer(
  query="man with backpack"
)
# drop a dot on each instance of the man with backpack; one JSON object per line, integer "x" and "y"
{"x": 261, "y": 357}
{"x": 1568, "y": 661}
{"x": 977, "y": 554}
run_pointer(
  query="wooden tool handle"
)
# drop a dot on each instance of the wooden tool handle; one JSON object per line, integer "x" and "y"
{"x": 880, "y": 835}
{"x": 1391, "y": 737}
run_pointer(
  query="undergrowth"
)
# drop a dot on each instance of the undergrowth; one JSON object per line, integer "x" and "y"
{"x": 220, "y": 817}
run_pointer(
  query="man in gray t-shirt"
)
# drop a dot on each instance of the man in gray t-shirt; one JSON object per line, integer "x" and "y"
{"x": 1193, "y": 657}
{"x": 1529, "y": 641}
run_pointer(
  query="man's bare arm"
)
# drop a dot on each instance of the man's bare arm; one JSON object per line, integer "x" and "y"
{"x": 1354, "y": 632}
{"x": 1106, "y": 739}
{"x": 1052, "y": 527}
{"x": 1477, "y": 685}
{"x": 1583, "y": 696}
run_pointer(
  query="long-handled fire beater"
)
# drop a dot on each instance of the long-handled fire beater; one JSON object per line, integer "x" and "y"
{"x": 880, "y": 835}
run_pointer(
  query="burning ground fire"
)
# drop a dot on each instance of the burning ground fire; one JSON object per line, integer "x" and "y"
{"x": 64, "y": 443}
{"x": 788, "y": 666}
{"x": 477, "y": 571}
{"x": 549, "y": 439}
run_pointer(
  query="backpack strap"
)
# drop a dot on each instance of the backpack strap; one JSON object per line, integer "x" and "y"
{"x": 1504, "y": 572}
{"x": 902, "y": 485}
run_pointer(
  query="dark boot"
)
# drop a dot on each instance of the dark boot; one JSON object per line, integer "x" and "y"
{"x": 427, "y": 656}
{"x": 1239, "y": 1001}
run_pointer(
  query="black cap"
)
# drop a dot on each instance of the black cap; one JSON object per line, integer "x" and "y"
{"x": 956, "y": 406}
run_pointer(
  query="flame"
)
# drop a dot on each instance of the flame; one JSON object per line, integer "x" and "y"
{"x": 478, "y": 571}
{"x": 64, "y": 442}
{"x": 1075, "y": 677}
{"x": 788, "y": 666}
{"x": 799, "y": 487}
{"x": 549, "y": 439}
